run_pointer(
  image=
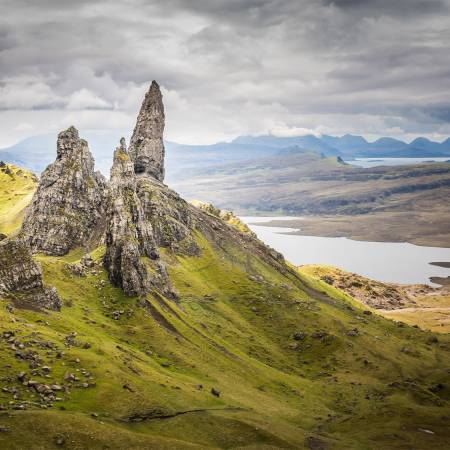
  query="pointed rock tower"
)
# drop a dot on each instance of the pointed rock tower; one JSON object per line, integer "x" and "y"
{"x": 146, "y": 145}
{"x": 128, "y": 235}
{"x": 66, "y": 210}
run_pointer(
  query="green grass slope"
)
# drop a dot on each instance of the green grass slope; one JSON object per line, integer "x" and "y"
{"x": 17, "y": 187}
{"x": 139, "y": 373}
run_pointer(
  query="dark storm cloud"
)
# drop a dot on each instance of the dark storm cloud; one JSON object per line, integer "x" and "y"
{"x": 388, "y": 7}
{"x": 227, "y": 67}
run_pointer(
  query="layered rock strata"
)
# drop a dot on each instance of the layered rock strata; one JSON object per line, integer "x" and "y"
{"x": 21, "y": 278}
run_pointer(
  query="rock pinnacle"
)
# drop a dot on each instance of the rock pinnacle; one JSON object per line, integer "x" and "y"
{"x": 146, "y": 146}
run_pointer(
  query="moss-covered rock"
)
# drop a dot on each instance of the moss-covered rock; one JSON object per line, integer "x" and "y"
{"x": 21, "y": 278}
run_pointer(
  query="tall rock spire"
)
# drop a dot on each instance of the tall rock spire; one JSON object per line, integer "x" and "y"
{"x": 128, "y": 235}
{"x": 66, "y": 210}
{"x": 146, "y": 146}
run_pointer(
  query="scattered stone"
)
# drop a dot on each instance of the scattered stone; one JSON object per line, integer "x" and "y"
{"x": 70, "y": 377}
{"x": 424, "y": 430}
{"x": 59, "y": 440}
{"x": 314, "y": 443}
{"x": 215, "y": 392}
{"x": 299, "y": 336}
{"x": 319, "y": 334}
{"x": 21, "y": 376}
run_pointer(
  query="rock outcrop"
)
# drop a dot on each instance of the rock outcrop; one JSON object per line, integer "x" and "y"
{"x": 226, "y": 216}
{"x": 66, "y": 210}
{"x": 171, "y": 216}
{"x": 146, "y": 145}
{"x": 21, "y": 278}
{"x": 135, "y": 214}
{"x": 128, "y": 236}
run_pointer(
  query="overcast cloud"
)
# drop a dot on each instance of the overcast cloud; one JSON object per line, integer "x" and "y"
{"x": 227, "y": 67}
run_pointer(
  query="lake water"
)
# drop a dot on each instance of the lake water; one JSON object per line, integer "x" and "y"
{"x": 373, "y": 162}
{"x": 384, "y": 261}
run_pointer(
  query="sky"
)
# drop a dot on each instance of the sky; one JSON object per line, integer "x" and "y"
{"x": 227, "y": 67}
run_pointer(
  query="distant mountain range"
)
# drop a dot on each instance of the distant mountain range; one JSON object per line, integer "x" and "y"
{"x": 36, "y": 152}
{"x": 351, "y": 146}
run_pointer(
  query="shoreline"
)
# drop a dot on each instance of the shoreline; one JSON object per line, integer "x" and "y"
{"x": 368, "y": 228}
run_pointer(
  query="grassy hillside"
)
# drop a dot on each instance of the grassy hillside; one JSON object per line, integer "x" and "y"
{"x": 248, "y": 357}
{"x": 16, "y": 190}
{"x": 419, "y": 305}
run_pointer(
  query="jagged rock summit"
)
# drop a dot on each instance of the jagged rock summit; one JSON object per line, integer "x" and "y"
{"x": 146, "y": 145}
{"x": 67, "y": 208}
{"x": 134, "y": 214}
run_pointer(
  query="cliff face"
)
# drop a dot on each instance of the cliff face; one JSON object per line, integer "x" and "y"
{"x": 128, "y": 235}
{"x": 67, "y": 208}
{"x": 21, "y": 278}
{"x": 146, "y": 145}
